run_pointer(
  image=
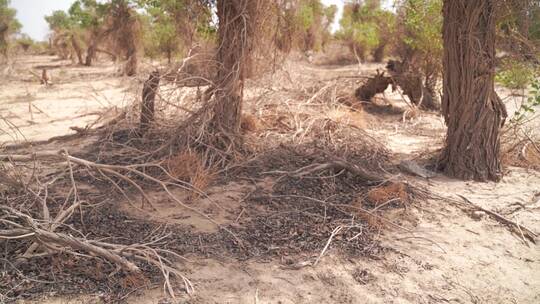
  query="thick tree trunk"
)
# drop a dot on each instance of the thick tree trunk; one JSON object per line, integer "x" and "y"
{"x": 472, "y": 110}
{"x": 235, "y": 40}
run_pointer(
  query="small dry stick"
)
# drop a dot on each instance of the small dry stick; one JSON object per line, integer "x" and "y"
{"x": 521, "y": 232}
{"x": 334, "y": 233}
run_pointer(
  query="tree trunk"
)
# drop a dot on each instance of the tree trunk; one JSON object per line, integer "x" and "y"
{"x": 472, "y": 110}
{"x": 132, "y": 63}
{"x": 378, "y": 54}
{"x": 77, "y": 49}
{"x": 235, "y": 38}
{"x": 90, "y": 54}
{"x": 524, "y": 8}
{"x": 97, "y": 36}
{"x": 3, "y": 40}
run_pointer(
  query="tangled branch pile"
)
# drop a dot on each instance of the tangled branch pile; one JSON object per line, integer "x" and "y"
{"x": 41, "y": 193}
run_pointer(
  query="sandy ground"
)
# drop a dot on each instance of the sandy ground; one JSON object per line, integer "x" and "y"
{"x": 446, "y": 257}
{"x": 76, "y": 97}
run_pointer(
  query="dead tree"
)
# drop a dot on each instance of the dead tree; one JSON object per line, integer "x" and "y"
{"x": 374, "y": 85}
{"x": 235, "y": 39}
{"x": 472, "y": 110}
{"x": 420, "y": 92}
{"x": 148, "y": 101}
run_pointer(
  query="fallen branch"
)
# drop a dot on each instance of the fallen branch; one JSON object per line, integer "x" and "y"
{"x": 31, "y": 230}
{"x": 334, "y": 233}
{"x": 338, "y": 164}
{"x": 528, "y": 233}
{"x": 23, "y": 226}
{"x": 115, "y": 170}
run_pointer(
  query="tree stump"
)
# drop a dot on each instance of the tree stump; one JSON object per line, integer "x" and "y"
{"x": 148, "y": 101}
{"x": 373, "y": 86}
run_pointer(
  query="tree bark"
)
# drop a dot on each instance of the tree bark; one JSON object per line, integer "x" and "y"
{"x": 472, "y": 110}
{"x": 235, "y": 38}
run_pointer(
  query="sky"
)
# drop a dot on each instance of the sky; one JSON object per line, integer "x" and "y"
{"x": 339, "y": 4}
{"x": 31, "y": 14}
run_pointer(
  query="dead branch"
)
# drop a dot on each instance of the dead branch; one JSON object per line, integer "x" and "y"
{"x": 528, "y": 233}
{"x": 31, "y": 229}
{"x": 116, "y": 171}
{"x": 336, "y": 164}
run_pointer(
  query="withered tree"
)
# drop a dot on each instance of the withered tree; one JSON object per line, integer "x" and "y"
{"x": 472, "y": 109}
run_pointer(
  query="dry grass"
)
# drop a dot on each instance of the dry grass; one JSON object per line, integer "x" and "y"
{"x": 531, "y": 153}
{"x": 373, "y": 220}
{"x": 190, "y": 167}
{"x": 395, "y": 192}
{"x": 523, "y": 154}
{"x": 249, "y": 123}
{"x": 382, "y": 201}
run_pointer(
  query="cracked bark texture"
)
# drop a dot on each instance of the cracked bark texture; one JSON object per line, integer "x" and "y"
{"x": 472, "y": 109}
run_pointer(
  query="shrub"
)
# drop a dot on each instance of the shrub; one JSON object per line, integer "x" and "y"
{"x": 515, "y": 74}
{"x": 366, "y": 28}
{"x": 530, "y": 105}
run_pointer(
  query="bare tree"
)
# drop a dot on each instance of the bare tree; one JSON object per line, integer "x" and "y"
{"x": 472, "y": 110}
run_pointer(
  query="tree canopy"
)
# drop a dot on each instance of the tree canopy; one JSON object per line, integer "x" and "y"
{"x": 8, "y": 24}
